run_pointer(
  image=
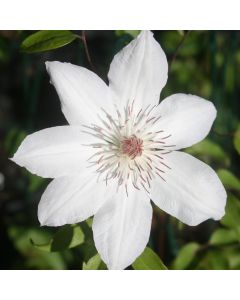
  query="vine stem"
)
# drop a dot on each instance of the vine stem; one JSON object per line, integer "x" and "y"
{"x": 84, "y": 40}
{"x": 179, "y": 47}
{"x": 233, "y": 133}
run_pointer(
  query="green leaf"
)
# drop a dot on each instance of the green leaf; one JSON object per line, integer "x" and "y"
{"x": 181, "y": 32}
{"x": 31, "y": 257}
{"x": 133, "y": 33}
{"x": 35, "y": 182}
{"x": 208, "y": 149}
{"x": 185, "y": 256}
{"x": 148, "y": 260}
{"x": 213, "y": 259}
{"x": 236, "y": 140}
{"x": 93, "y": 263}
{"x": 233, "y": 257}
{"x": 13, "y": 140}
{"x": 223, "y": 236}
{"x": 69, "y": 236}
{"x": 45, "y": 40}
{"x": 229, "y": 180}
{"x": 232, "y": 215}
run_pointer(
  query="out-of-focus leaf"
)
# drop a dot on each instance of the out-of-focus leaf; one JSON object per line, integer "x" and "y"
{"x": 89, "y": 222}
{"x": 229, "y": 77}
{"x": 214, "y": 259}
{"x": 13, "y": 140}
{"x": 233, "y": 257}
{"x": 45, "y": 40}
{"x": 229, "y": 180}
{"x": 35, "y": 182}
{"x": 181, "y": 32}
{"x": 185, "y": 256}
{"x": 236, "y": 140}
{"x": 148, "y": 260}
{"x": 232, "y": 215}
{"x": 133, "y": 33}
{"x": 223, "y": 236}
{"x": 208, "y": 149}
{"x": 69, "y": 236}
{"x": 87, "y": 250}
{"x": 21, "y": 236}
{"x": 93, "y": 263}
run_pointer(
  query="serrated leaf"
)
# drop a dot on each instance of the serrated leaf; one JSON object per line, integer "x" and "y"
{"x": 45, "y": 40}
{"x": 69, "y": 236}
{"x": 229, "y": 180}
{"x": 236, "y": 140}
{"x": 185, "y": 256}
{"x": 207, "y": 149}
{"x": 223, "y": 236}
{"x": 148, "y": 260}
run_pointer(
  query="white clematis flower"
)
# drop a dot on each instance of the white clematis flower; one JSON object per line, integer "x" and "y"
{"x": 120, "y": 150}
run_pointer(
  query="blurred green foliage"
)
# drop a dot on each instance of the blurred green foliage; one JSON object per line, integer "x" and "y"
{"x": 206, "y": 64}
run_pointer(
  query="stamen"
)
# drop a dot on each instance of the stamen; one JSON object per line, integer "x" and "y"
{"x": 128, "y": 149}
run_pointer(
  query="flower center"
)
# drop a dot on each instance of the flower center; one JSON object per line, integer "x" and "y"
{"x": 132, "y": 146}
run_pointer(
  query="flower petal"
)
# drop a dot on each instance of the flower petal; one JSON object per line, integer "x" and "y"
{"x": 121, "y": 228}
{"x": 54, "y": 152}
{"x": 81, "y": 91}
{"x": 187, "y": 118}
{"x": 192, "y": 192}
{"x": 69, "y": 200}
{"x": 138, "y": 72}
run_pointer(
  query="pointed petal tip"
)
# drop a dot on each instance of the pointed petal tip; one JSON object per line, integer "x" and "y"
{"x": 43, "y": 222}
{"x": 48, "y": 64}
{"x": 12, "y": 158}
{"x": 146, "y": 33}
{"x": 15, "y": 159}
{"x": 51, "y": 64}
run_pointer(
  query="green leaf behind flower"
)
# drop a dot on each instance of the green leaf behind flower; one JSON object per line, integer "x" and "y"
{"x": 229, "y": 180}
{"x": 68, "y": 236}
{"x": 148, "y": 260}
{"x": 208, "y": 149}
{"x": 232, "y": 215}
{"x": 185, "y": 256}
{"x": 236, "y": 140}
{"x": 223, "y": 236}
{"x": 45, "y": 40}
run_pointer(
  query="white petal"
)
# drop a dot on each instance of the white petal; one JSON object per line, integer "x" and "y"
{"x": 69, "y": 200}
{"x": 121, "y": 228}
{"x": 82, "y": 93}
{"x": 192, "y": 192}
{"x": 187, "y": 118}
{"x": 55, "y": 152}
{"x": 139, "y": 72}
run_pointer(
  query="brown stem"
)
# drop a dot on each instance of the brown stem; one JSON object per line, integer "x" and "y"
{"x": 83, "y": 38}
{"x": 179, "y": 47}
{"x": 224, "y": 133}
